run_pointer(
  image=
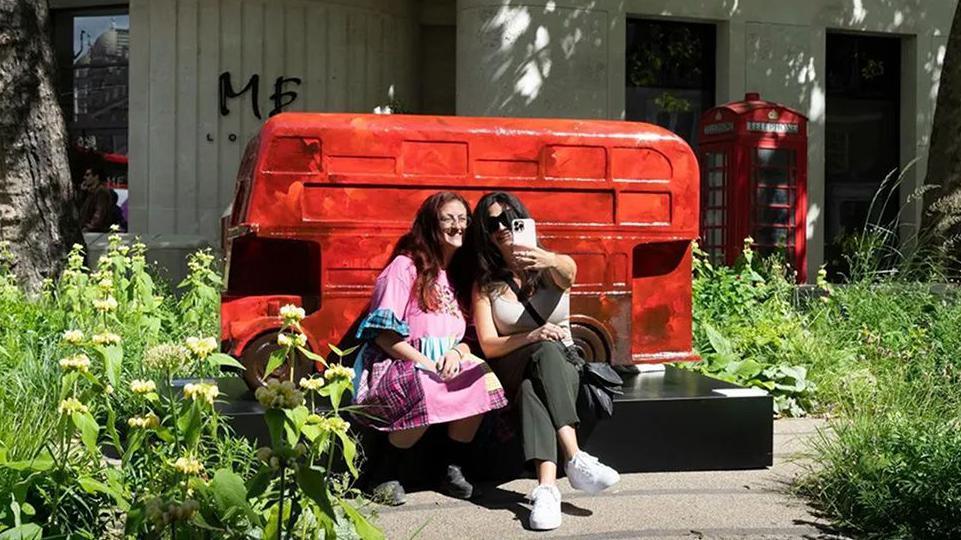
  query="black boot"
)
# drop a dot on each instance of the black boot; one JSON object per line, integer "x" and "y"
{"x": 387, "y": 490}
{"x": 455, "y": 484}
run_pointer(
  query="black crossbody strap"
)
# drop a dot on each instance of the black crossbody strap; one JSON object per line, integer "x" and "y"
{"x": 525, "y": 301}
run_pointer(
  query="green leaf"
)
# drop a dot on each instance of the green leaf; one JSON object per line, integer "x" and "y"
{"x": 229, "y": 491}
{"x": 363, "y": 527}
{"x": 336, "y": 350}
{"x": 27, "y": 531}
{"x": 276, "y": 360}
{"x": 350, "y": 451}
{"x": 295, "y": 422}
{"x": 112, "y": 429}
{"x": 113, "y": 362}
{"x": 89, "y": 429}
{"x": 94, "y": 486}
{"x": 258, "y": 483}
{"x": 190, "y": 425}
{"x": 718, "y": 342}
{"x": 275, "y": 425}
{"x": 272, "y": 527}
{"x": 43, "y": 462}
{"x": 312, "y": 355}
{"x": 336, "y": 390}
{"x": 314, "y": 485}
{"x": 224, "y": 360}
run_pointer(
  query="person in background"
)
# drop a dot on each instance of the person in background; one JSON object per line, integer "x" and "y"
{"x": 96, "y": 208}
{"x": 413, "y": 370}
{"x": 529, "y": 358}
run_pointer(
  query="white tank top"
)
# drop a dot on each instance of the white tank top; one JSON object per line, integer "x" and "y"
{"x": 552, "y": 303}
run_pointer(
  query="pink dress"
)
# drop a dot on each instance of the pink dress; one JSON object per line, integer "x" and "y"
{"x": 395, "y": 392}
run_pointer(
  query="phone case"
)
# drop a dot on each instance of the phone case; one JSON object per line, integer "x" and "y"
{"x": 524, "y": 232}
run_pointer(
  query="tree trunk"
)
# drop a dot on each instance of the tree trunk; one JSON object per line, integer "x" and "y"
{"x": 943, "y": 203}
{"x": 37, "y": 212}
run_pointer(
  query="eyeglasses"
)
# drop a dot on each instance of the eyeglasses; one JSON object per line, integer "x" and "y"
{"x": 494, "y": 222}
{"x": 450, "y": 221}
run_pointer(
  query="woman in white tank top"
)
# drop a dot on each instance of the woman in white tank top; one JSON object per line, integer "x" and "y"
{"x": 530, "y": 358}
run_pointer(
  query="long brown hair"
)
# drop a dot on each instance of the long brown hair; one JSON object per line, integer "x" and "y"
{"x": 423, "y": 244}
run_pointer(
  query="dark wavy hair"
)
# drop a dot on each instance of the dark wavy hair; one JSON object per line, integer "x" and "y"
{"x": 490, "y": 268}
{"x": 423, "y": 244}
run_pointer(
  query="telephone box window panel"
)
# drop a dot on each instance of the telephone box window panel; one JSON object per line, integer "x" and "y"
{"x": 754, "y": 180}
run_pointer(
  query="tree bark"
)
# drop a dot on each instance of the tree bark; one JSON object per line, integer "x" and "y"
{"x": 943, "y": 202}
{"x": 37, "y": 212}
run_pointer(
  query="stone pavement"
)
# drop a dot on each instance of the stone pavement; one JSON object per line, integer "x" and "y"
{"x": 726, "y": 504}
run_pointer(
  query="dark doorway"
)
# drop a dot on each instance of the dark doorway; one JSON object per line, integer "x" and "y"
{"x": 862, "y": 139}
{"x": 670, "y": 73}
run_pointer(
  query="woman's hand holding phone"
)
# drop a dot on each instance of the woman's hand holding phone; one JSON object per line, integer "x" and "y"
{"x": 535, "y": 258}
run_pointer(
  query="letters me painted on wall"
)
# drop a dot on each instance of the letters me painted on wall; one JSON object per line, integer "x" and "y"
{"x": 280, "y": 98}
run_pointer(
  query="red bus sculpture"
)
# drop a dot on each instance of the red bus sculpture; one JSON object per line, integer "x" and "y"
{"x": 322, "y": 198}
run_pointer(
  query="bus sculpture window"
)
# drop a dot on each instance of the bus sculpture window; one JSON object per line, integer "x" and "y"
{"x": 321, "y": 199}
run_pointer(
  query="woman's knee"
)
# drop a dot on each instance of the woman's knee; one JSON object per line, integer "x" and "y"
{"x": 406, "y": 438}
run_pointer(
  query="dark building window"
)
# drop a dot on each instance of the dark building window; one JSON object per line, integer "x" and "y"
{"x": 92, "y": 47}
{"x": 862, "y": 138}
{"x": 670, "y": 73}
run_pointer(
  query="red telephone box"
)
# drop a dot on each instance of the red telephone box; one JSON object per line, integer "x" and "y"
{"x": 753, "y": 156}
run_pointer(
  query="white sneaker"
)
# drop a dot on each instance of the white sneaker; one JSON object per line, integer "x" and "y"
{"x": 546, "y": 513}
{"x": 586, "y": 473}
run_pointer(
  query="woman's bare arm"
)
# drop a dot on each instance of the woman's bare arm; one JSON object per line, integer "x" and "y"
{"x": 394, "y": 345}
{"x": 493, "y": 344}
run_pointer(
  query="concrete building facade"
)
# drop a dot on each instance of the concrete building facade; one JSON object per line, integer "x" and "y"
{"x": 197, "y": 67}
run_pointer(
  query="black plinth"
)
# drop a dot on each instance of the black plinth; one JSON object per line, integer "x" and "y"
{"x": 671, "y": 420}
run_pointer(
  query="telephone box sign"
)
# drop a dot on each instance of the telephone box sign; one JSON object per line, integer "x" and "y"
{"x": 768, "y": 127}
{"x": 753, "y": 157}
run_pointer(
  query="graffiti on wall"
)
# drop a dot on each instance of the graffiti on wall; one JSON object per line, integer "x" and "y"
{"x": 280, "y": 98}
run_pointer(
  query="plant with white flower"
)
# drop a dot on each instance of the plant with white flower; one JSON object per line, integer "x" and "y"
{"x": 147, "y": 421}
{"x": 77, "y": 362}
{"x": 72, "y": 405}
{"x": 105, "y": 305}
{"x": 73, "y": 337}
{"x": 292, "y": 314}
{"x": 142, "y": 386}
{"x": 202, "y": 348}
{"x": 337, "y": 371}
{"x": 312, "y": 384}
{"x": 206, "y": 392}
{"x": 106, "y": 338}
{"x": 188, "y": 465}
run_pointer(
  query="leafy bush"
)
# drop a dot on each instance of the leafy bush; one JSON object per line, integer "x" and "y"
{"x": 96, "y": 440}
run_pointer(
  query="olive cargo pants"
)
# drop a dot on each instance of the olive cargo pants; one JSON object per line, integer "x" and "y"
{"x": 543, "y": 385}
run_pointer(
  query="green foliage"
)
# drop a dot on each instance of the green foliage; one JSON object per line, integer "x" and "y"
{"x": 748, "y": 330}
{"x": 96, "y": 440}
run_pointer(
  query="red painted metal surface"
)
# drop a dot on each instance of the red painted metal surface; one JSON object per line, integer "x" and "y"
{"x": 322, "y": 198}
{"x": 753, "y": 156}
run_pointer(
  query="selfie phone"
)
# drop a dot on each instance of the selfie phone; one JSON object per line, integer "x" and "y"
{"x": 524, "y": 232}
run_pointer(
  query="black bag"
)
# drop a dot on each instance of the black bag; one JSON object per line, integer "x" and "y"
{"x": 599, "y": 382}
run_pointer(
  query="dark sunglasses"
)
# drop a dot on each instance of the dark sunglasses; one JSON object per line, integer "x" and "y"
{"x": 494, "y": 221}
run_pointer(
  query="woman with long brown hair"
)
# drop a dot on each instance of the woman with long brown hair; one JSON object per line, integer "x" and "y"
{"x": 413, "y": 371}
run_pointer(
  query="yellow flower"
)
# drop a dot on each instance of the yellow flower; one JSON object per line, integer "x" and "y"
{"x": 108, "y": 390}
{"x": 202, "y": 347}
{"x": 107, "y": 304}
{"x": 188, "y": 465}
{"x": 166, "y": 356}
{"x": 72, "y": 405}
{"x": 336, "y": 424}
{"x": 312, "y": 383}
{"x": 292, "y": 314}
{"x": 106, "y": 338}
{"x": 73, "y": 337}
{"x": 205, "y": 391}
{"x": 140, "y": 386}
{"x": 149, "y": 421}
{"x": 79, "y": 362}
{"x": 337, "y": 371}
{"x": 284, "y": 340}
{"x": 105, "y": 284}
